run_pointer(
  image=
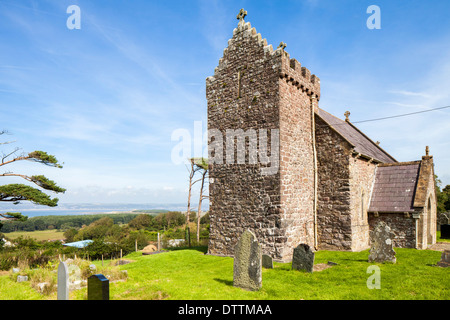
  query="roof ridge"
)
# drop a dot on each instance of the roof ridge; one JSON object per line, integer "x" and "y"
{"x": 406, "y": 163}
{"x": 378, "y": 146}
{"x": 352, "y": 126}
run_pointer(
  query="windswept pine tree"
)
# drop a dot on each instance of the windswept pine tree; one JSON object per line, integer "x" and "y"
{"x": 16, "y": 192}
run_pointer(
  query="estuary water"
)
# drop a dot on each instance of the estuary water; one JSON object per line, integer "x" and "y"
{"x": 31, "y": 210}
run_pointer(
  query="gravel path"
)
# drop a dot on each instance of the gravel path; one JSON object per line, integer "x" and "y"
{"x": 440, "y": 246}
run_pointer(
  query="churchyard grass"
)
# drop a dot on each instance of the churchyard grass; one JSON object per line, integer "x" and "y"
{"x": 189, "y": 274}
{"x": 10, "y": 290}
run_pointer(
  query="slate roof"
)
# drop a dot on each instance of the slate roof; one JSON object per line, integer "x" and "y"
{"x": 394, "y": 187}
{"x": 362, "y": 144}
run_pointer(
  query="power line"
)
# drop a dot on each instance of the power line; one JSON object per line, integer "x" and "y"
{"x": 401, "y": 115}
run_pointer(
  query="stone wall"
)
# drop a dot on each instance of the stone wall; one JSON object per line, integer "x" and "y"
{"x": 296, "y": 156}
{"x": 255, "y": 87}
{"x": 404, "y": 227}
{"x": 334, "y": 190}
{"x": 425, "y": 202}
{"x": 428, "y": 218}
{"x": 362, "y": 176}
{"x": 243, "y": 94}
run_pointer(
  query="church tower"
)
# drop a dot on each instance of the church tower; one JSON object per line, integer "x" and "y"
{"x": 261, "y": 147}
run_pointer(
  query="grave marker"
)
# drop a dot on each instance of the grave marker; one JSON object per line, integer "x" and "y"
{"x": 247, "y": 270}
{"x": 381, "y": 248}
{"x": 303, "y": 258}
{"x": 267, "y": 261}
{"x": 98, "y": 287}
{"x": 445, "y": 259}
{"x": 63, "y": 281}
{"x": 445, "y": 231}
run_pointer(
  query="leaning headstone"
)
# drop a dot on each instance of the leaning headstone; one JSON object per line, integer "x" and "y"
{"x": 98, "y": 287}
{"x": 381, "y": 239}
{"x": 303, "y": 258}
{"x": 267, "y": 261}
{"x": 247, "y": 269}
{"x": 445, "y": 259}
{"x": 63, "y": 281}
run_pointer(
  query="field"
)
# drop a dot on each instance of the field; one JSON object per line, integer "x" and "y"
{"x": 189, "y": 274}
{"x": 38, "y": 235}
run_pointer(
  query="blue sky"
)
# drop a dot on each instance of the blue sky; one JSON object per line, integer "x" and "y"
{"x": 106, "y": 98}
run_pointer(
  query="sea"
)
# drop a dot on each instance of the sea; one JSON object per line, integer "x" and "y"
{"x": 31, "y": 210}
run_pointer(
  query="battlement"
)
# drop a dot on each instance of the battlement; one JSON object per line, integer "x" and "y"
{"x": 289, "y": 69}
{"x": 301, "y": 77}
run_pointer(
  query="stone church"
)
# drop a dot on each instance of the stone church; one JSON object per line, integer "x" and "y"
{"x": 332, "y": 183}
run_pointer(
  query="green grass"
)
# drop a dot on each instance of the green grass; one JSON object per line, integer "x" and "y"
{"x": 189, "y": 274}
{"x": 10, "y": 290}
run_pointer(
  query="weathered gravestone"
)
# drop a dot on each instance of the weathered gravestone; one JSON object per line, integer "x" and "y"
{"x": 381, "y": 238}
{"x": 247, "y": 270}
{"x": 303, "y": 258}
{"x": 445, "y": 259}
{"x": 267, "y": 261}
{"x": 63, "y": 281}
{"x": 98, "y": 287}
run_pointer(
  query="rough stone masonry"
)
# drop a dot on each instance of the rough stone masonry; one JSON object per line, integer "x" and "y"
{"x": 253, "y": 88}
{"x": 292, "y": 173}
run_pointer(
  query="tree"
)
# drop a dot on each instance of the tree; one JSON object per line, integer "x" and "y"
{"x": 446, "y": 191}
{"x": 141, "y": 221}
{"x": 192, "y": 170}
{"x": 442, "y": 197}
{"x": 203, "y": 165}
{"x": 197, "y": 165}
{"x": 20, "y": 192}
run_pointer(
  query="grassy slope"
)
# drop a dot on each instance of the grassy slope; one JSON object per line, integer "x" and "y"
{"x": 189, "y": 274}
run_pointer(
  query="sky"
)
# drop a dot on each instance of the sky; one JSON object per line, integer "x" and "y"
{"x": 106, "y": 98}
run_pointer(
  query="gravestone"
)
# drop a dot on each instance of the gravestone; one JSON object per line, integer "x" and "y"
{"x": 247, "y": 269}
{"x": 74, "y": 276}
{"x": 22, "y": 278}
{"x": 445, "y": 231}
{"x": 267, "y": 261}
{"x": 381, "y": 248}
{"x": 445, "y": 259}
{"x": 63, "y": 281}
{"x": 303, "y": 258}
{"x": 98, "y": 287}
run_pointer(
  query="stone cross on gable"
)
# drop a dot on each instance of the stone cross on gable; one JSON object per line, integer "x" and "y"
{"x": 427, "y": 151}
{"x": 347, "y": 114}
{"x": 241, "y": 15}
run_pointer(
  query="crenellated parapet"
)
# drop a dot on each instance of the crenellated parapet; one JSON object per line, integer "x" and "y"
{"x": 289, "y": 69}
{"x": 300, "y": 77}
